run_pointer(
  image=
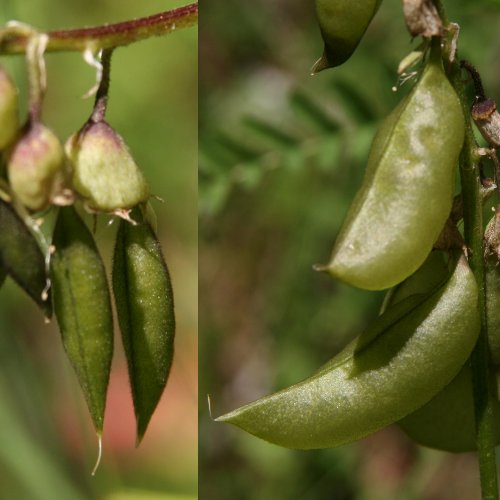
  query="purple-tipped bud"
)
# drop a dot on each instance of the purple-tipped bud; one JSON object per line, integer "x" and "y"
{"x": 36, "y": 167}
{"x": 9, "y": 110}
{"x": 104, "y": 172}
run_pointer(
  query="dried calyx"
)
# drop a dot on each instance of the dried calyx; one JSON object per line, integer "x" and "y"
{"x": 484, "y": 110}
{"x": 422, "y": 18}
{"x": 104, "y": 173}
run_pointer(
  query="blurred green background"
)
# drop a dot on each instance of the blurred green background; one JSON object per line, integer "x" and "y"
{"x": 47, "y": 444}
{"x": 281, "y": 156}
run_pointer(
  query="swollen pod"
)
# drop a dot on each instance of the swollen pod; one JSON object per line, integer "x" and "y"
{"x": 342, "y": 24}
{"x": 447, "y": 421}
{"x": 407, "y": 191}
{"x": 410, "y": 353}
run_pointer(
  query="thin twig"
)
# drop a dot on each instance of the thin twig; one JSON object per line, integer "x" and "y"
{"x": 106, "y": 36}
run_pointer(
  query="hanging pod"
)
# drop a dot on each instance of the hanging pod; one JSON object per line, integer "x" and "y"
{"x": 9, "y": 110}
{"x": 144, "y": 303}
{"x": 407, "y": 191}
{"x": 411, "y": 351}
{"x": 21, "y": 256}
{"x": 83, "y": 308}
{"x": 342, "y": 24}
{"x": 447, "y": 421}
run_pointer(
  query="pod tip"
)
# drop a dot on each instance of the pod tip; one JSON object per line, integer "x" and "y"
{"x": 99, "y": 454}
{"x": 322, "y": 268}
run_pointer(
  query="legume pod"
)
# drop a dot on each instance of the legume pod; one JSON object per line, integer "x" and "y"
{"x": 83, "y": 308}
{"x": 407, "y": 191}
{"x": 447, "y": 421}
{"x": 379, "y": 378}
{"x": 342, "y": 24}
{"x": 144, "y": 302}
{"x": 21, "y": 256}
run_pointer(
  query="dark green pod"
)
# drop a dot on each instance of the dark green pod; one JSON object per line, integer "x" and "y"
{"x": 144, "y": 303}
{"x": 371, "y": 384}
{"x": 21, "y": 256}
{"x": 407, "y": 191}
{"x": 447, "y": 421}
{"x": 83, "y": 308}
{"x": 342, "y": 24}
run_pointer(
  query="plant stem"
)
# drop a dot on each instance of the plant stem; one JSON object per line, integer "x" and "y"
{"x": 14, "y": 41}
{"x": 473, "y": 234}
{"x": 101, "y": 97}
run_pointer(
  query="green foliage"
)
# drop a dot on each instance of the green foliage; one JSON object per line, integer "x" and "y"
{"x": 280, "y": 218}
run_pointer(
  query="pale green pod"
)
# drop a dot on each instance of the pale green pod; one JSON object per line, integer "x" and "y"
{"x": 342, "y": 24}
{"x": 145, "y": 307}
{"x": 104, "y": 172}
{"x": 83, "y": 308}
{"x": 433, "y": 273}
{"x": 407, "y": 191}
{"x": 22, "y": 258}
{"x": 373, "y": 385}
{"x": 35, "y": 166}
{"x": 9, "y": 110}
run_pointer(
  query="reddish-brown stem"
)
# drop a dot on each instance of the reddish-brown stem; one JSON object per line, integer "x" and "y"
{"x": 106, "y": 36}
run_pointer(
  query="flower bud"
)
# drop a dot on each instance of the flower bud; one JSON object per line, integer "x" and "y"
{"x": 104, "y": 172}
{"x": 9, "y": 110}
{"x": 35, "y": 166}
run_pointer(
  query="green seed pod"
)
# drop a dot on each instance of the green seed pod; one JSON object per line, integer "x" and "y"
{"x": 432, "y": 274}
{"x": 104, "y": 172}
{"x": 342, "y": 24}
{"x": 371, "y": 383}
{"x": 35, "y": 167}
{"x": 407, "y": 192}
{"x": 22, "y": 258}
{"x": 83, "y": 308}
{"x": 144, "y": 303}
{"x": 447, "y": 421}
{"x": 9, "y": 110}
